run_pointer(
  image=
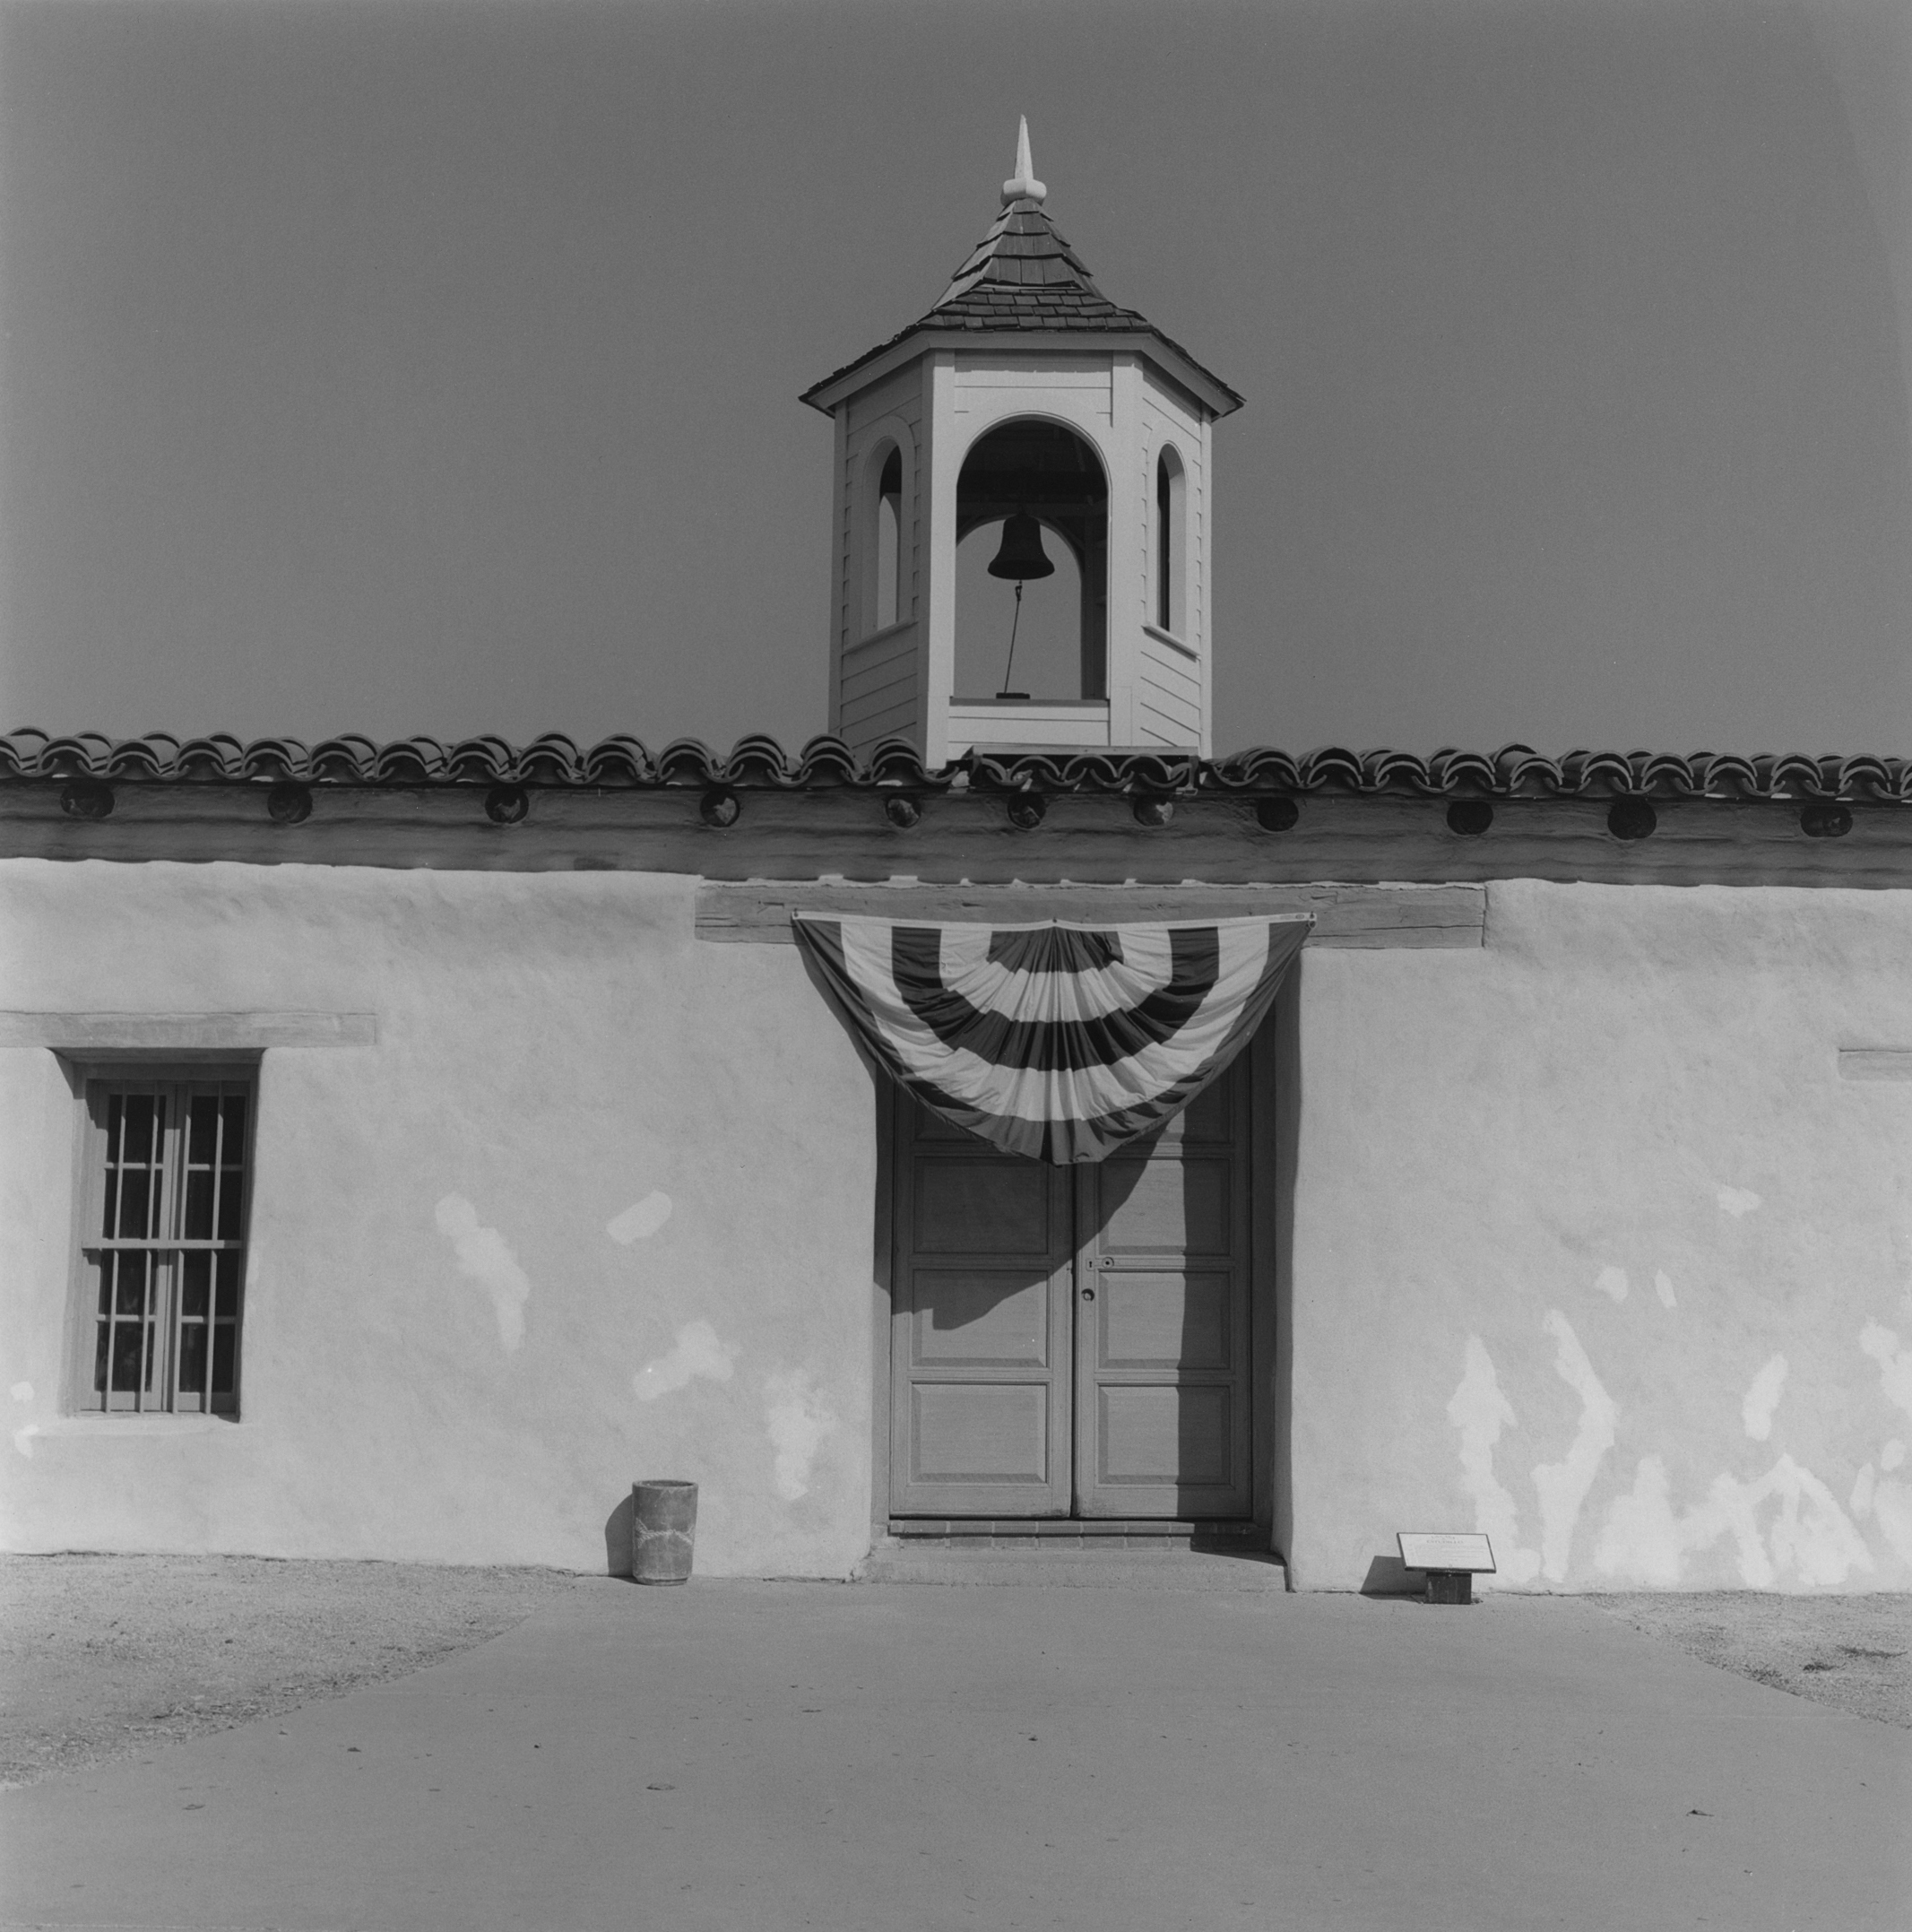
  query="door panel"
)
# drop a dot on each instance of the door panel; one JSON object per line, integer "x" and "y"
{"x": 995, "y": 1205}
{"x": 974, "y": 1318}
{"x": 980, "y": 1432}
{"x": 980, "y": 1355}
{"x": 1143, "y": 1431}
{"x": 1173, "y": 1203}
{"x": 1162, "y": 1320}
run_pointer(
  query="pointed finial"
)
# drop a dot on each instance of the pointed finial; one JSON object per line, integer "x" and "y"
{"x": 1023, "y": 186}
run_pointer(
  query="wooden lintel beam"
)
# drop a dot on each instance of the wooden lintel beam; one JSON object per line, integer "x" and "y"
{"x": 1365, "y": 916}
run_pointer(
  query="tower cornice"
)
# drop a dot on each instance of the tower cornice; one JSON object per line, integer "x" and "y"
{"x": 934, "y": 332}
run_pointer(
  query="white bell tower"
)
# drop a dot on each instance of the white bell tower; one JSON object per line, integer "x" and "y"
{"x": 1025, "y": 392}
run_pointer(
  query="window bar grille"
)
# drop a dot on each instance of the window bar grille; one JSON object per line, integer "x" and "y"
{"x": 205, "y": 1344}
{"x": 125, "y": 1359}
{"x": 172, "y": 1249}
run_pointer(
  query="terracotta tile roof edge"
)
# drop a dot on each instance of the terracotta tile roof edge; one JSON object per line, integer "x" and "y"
{"x": 760, "y": 762}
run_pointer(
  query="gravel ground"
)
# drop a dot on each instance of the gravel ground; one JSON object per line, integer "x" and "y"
{"x": 1854, "y": 1653}
{"x": 107, "y": 1657}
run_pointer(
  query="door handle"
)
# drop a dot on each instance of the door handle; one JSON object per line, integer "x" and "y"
{"x": 1088, "y": 1294}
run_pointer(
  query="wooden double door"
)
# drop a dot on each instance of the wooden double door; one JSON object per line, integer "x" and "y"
{"x": 1074, "y": 1341}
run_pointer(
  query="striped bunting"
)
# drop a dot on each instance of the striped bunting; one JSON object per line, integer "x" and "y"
{"x": 1057, "y": 1041}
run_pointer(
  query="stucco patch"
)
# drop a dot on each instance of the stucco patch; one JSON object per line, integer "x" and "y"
{"x": 1860, "y": 1502}
{"x": 1613, "y": 1281}
{"x": 23, "y": 1439}
{"x": 699, "y": 1351}
{"x": 1895, "y": 1364}
{"x": 1736, "y": 1200}
{"x": 1763, "y": 1398}
{"x": 1663, "y": 1288}
{"x": 640, "y": 1221}
{"x": 798, "y": 1419}
{"x": 1641, "y": 1540}
{"x": 1892, "y": 1454}
{"x": 1563, "y": 1487}
{"x": 1892, "y": 1511}
{"x": 22, "y": 1391}
{"x": 1480, "y": 1411}
{"x": 484, "y": 1254}
{"x": 1813, "y": 1536}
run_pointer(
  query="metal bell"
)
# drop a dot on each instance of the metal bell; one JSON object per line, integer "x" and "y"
{"x": 1021, "y": 557}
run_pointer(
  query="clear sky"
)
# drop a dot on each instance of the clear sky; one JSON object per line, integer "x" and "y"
{"x": 392, "y": 367}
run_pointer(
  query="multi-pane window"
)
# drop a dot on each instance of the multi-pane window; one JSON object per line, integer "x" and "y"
{"x": 165, "y": 1247}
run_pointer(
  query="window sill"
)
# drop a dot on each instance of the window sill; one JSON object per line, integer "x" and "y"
{"x": 1172, "y": 640}
{"x": 125, "y": 1423}
{"x": 1030, "y": 704}
{"x": 879, "y": 637}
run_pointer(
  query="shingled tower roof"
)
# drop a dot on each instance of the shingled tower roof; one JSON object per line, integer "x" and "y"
{"x": 1023, "y": 278}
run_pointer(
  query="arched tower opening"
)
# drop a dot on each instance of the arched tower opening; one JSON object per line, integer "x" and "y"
{"x": 882, "y": 599}
{"x": 1170, "y": 549}
{"x": 1044, "y": 470}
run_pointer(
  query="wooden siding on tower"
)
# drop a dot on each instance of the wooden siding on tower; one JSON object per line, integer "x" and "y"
{"x": 878, "y": 664}
{"x": 877, "y": 686}
{"x": 1063, "y": 722}
{"x": 876, "y": 676}
{"x": 899, "y": 722}
{"x": 1170, "y": 421}
{"x": 983, "y": 383}
{"x": 1169, "y": 695}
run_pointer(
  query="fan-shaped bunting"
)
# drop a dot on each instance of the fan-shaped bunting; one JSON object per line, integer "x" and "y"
{"x": 1057, "y": 1041}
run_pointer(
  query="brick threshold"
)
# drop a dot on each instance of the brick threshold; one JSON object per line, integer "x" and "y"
{"x": 1074, "y": 1533}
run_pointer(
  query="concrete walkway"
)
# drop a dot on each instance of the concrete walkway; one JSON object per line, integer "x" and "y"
{"x": 731, "y": 1756}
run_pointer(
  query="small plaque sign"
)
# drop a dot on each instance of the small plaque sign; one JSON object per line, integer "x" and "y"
{"x": 1428, "y": 1550}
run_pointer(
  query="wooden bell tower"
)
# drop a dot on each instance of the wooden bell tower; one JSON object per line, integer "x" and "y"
{"x": 1024, "y": 393}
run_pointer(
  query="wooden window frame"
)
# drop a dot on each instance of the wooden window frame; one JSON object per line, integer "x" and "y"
{"x": 167, "y": 1315}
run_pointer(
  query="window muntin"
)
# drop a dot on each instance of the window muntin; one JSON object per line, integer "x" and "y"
{"x": 165, "y": 1253}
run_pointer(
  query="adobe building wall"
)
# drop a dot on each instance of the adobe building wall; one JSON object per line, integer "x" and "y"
{"x": 1589, "y": 1241}
{"x": 596, "y": 1206}
{"x": 1595, "y": 1248}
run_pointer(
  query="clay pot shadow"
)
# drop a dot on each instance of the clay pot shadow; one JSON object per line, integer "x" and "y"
{"x": 617, "y": 1538}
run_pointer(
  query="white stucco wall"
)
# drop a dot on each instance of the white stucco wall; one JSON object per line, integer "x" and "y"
{"x": 1596, "y": 1250}
{"x": 449, "y": 1352}
{"x": 1592, "y": 1247}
